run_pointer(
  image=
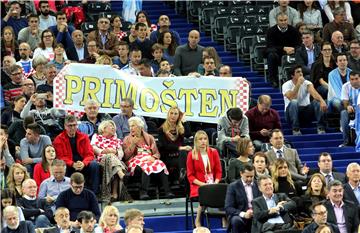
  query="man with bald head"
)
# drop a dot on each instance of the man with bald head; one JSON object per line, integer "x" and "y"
{"x": 25, "y": 62}
{"x": 262, "y": 119}
{"x": 189, "y": 55}
{"x": 79, "y": 51}
{"x": 35, "y": 209}
{"x": 339, "y": 24}
{"x": 337, "y": 43}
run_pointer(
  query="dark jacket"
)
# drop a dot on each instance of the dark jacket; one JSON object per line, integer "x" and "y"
{"x": 110, "y": 44}
{"x": 301, "y": 57}
{"x": 277, "y": 40}
{"x": 72, "y": 54}
{"x": 261, "y": 211}
{"x": 31, "y": 208}
{"x": 236, "y": 200}
{"x": 24, "y": 227}
{"x": 350, "y": 213}
{"x": 313, "y": 226}
{"x": 145, "y": 230}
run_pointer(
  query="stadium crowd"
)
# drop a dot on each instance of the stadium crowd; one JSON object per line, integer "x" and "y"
{"x": 56, "y": 168}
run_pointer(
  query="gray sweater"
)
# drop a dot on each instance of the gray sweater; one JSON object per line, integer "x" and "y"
{"x": 187, "y": 59}
{"x": 34, "y": 151}
{"x": 225, "y": 130}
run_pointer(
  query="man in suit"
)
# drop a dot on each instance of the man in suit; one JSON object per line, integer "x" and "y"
{"x": 307, "y": 53}
{"x": 352, "y": 188}
{"x": 134, "y": 217}
{"x": 279, "y": 150}
{"x": 319, "y": 215}
{"x": 239, "y": 195}
{"x": 325, "y": 168}
{"x": 62, "y": 219}
{"x": 271, "y": 210}
{"x": 342, "y": 213}
{"x": 79, "y": 51}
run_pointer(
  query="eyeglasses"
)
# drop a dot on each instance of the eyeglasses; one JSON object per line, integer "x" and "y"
{"x": 77, "y": 187}
{"x": 354, "y": 47}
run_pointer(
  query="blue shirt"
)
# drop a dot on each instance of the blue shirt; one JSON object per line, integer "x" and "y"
{"x": 270, "y": 202}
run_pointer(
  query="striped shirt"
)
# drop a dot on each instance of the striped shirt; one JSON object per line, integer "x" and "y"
{"x": 350, "y": 94}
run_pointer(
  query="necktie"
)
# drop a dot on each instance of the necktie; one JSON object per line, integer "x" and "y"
{"x": 279, "y": 153}
{"x": 328, "y": 179}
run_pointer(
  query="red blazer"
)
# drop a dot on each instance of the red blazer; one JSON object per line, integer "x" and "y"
{"x": 196, "y": 169}
{"x": 63, "y": 148}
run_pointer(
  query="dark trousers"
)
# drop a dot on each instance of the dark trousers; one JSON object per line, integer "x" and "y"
{"x": 273, "y": 60}
{"x": 230, "y": 150}
{"x": 91, "y": 173}
{"x": 240, "y": 225}
{"x": 145, "y": 181}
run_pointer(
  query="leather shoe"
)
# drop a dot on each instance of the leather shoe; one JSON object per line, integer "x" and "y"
{"x": 169, "y": 195}
{"x": 144, "y": 196}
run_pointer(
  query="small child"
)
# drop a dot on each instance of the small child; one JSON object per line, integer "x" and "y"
{"x": 157, "y": 52}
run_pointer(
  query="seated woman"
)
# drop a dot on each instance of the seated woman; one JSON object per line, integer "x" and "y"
{"x": 142, "y": 154}
{"x": 8, "y": 199}
{"x": 42, "y": 169}
{"x": 203, "y": 167}
{"x": 171, "y": 142}
{"x": 261, "y": 164}
{"x": 10, "y": 115}
{"x": 109, "y": 153}
{"x": 109, "y": 220}
{"x": 167, "y": 40}
{"x": 282, "y": 180}
{"x": 315, "y": 192}
{"x": 17, "y": 175}
{"x": 245, "y": 149}
{"x": 142, "y": 17}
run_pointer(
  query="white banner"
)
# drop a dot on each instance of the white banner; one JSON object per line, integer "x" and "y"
{"x": 202, "y": 99}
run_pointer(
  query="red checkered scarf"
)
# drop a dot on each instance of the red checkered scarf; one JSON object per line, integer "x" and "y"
{"x": 104, "y": 143}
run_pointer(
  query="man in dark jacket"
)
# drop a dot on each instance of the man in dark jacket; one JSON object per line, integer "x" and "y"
{"x": 238, "y": 205}
{"x": 319, "y": 214}
{"x": 11, "y": 217}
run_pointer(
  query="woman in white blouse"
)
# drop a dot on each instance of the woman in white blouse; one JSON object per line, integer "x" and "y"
{"x": 310, "y": 15}
{"x": 47, "y": 45}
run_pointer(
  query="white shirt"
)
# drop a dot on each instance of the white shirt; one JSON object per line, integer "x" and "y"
{"x": 303, "y": 96}
{"x": 46, "y": 23}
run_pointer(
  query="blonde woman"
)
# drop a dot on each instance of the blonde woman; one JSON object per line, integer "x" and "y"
{"x": 109, "y": 153}
{"x": 17, "y": 175}
{"x": 203, "y": 167}
{"x": 171, "y": 140}
{"x": 106, "y": 60}
{"x": 282, "y": 179}
{"x": 109, "y": 220}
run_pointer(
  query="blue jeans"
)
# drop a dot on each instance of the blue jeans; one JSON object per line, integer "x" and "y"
{"x": 344, "y": 123}
{"x": 294, "y": 112}
{"x": 323, "y": 91}
{"x": 335, "y": 105}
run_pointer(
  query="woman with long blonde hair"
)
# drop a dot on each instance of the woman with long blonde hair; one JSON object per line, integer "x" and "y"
{"x": 203, "y": 167}
{"x": 282, "y": 179}
{"x": 171, "y": 141}
{"x": 17, "y": 175}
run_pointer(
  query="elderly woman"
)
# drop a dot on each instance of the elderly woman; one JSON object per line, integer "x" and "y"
{"x": 142, "y": 154}
{"x": 109, "y": 153}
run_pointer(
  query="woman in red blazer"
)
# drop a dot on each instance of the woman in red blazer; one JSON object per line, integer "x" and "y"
{"x": 203, "y": 167}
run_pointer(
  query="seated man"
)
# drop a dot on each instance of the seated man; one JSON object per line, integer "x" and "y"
{"x": 262, "y": 119}
{"x": 13, "y": 89}
{"x": 79, "y": 51}
{"x": 32, "y": 146}
{"x": 271, "y": 210}
{"x": 13, "y": 18}
{"x": 354, "y": 56}
{"x": 92, "y": 118}
{"x": 14, "y": 225}
{"x": 238, "y": 200}
{"x": 62, "y": 31}
{"x": 279, "y": 150}
{"x": 87, "y": 221}
{"x": 134, "y": 217}
{"x": 319, "y": 215}
{"x": 352, "y": 187}
{"x": 339, "y": 24}
{"x": 164, "y": 25}
{"x": 307, "y": 53}
{"x": 325, "y": 165}
{"x": 35, "y": 209}
{"x": 231, "y": 127}
{"x": 78, "y": 198}
{"x": 296, "y": 94}
{"x": 55, "y": 184}
{"x": 292, "y": 14}
{"x": 133, "y": 65}
{"x": 342, "y": 213}
{"x": 337, "y": 78}
{"x": 142, "y": 42}
{"x": 349, "y": 96}
{"x": 74, "y": 148}
{"x": 121, "y": 120}
{"x": 337, "y": 43}
{"x": 62, "y": 219}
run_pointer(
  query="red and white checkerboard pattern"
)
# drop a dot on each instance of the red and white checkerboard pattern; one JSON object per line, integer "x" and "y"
{"x": 148, "y": 167}
{"x": 242, "y": 100}
{"x": 59, "y": 93}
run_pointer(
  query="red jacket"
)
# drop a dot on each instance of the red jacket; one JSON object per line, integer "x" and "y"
{"x": 63, "y": 148}
{"x": 196, "y": 169}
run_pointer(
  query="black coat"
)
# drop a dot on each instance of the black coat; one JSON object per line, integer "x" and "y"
{"x": 350, "y": 213}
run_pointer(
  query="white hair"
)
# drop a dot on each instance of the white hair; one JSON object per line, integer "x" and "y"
{"x": 137, "y": 121}
{"x": 104, "y": 124}
{"x": 351, "y": 165}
